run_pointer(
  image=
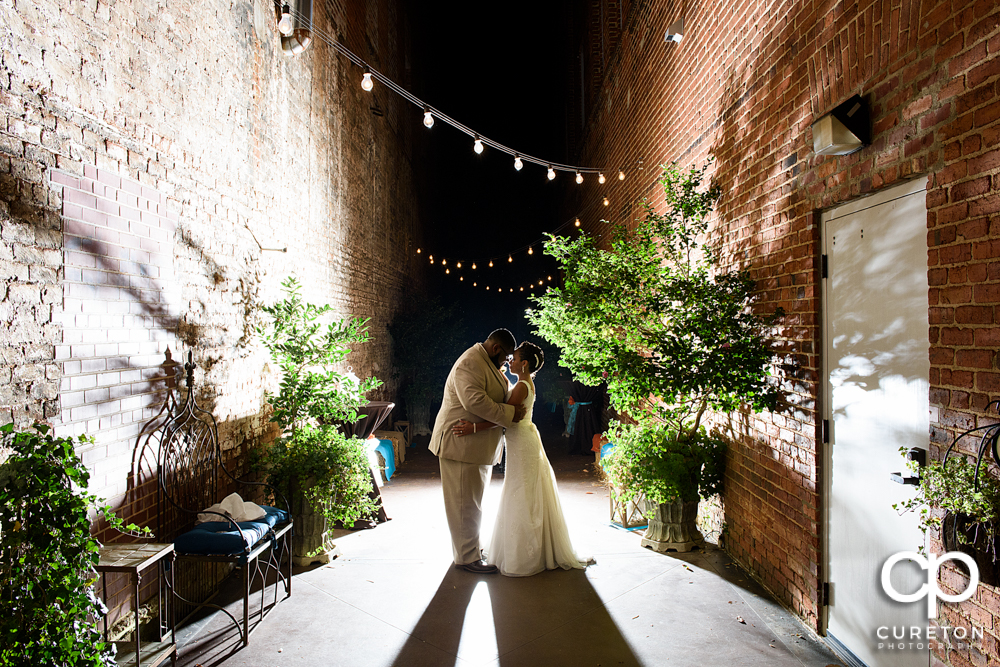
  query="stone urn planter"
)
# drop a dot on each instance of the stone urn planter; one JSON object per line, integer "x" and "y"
{"x": 312, "y": 541}
{"x": 672, "y": 527}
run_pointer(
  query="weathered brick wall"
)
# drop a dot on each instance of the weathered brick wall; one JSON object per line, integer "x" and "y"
{"x": 151, "y": 156}
{"x": 744, "y": 87}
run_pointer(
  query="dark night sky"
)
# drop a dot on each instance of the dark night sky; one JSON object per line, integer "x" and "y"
{"x": 500, "y": 71}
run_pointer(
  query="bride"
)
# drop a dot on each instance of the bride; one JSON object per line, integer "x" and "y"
{"x": 530, "y": 533}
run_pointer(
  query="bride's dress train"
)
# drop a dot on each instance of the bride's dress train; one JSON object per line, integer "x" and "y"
{"x": 530, "y": 533}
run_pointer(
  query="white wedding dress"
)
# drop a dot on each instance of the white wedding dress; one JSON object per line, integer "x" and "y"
{"x": 530, "y": 533}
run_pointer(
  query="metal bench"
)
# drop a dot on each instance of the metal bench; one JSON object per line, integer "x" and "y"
{"x": 191, "y": 476}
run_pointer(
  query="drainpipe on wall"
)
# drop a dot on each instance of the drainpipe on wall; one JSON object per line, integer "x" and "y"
{"x": 299, "y": 38}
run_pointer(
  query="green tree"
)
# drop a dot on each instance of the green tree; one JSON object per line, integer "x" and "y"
{"x": 312, "y": 400}
{"x": 659, "y": 319}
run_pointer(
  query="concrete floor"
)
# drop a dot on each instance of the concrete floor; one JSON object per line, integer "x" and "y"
{"x": 394, "y": 598}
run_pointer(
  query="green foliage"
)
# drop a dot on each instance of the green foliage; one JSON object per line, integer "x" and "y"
{"x": 651, "y": 460}
{"x": 311, "y": 401}
{"x": 673, "y": 334}
{"x": 951, "y": 486}
{"x": 310, "y": 389}
{"x": 330, "y": 469}
{"x": 655, "y": 317}
{"x": 47, "y": 555}
{"x": 427, "y": 337}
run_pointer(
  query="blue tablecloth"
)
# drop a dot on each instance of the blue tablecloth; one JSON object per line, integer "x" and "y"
{"x": 385, "y": 449}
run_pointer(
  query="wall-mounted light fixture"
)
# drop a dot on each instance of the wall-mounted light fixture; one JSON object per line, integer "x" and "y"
{"x": 676, "y": 31}
{"x": 295, "y": 26}
{"x": 844, "y": 130}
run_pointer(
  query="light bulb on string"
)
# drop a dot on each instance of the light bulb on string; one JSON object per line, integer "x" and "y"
{"x": 550, "y": 277}
{"x": 285, "y": 24}
{"x": 511, "y": 289}
{"x": 576, "y": 223}
{"x": 447, "y": 270}
{"x": 428, "y": 117}
{"x": 366, "y": 81}
{"x": 444, "y": 261}
{"x": 552, "y": 173}
{"x": 491, "y": 263}
{"x": 522, "y": 289}
{"x": 531, "y": 251}
{"x": 418, "y": 251}
{"x": 473, "y": 266}
{"x": 487, "y": 288}
{"x": 540, "y": 282}
{"x": 461, "y": 278}
{"x": 517, "y": 162}
{"x": 601, "y": 179}
{"x": 459, "y": 265}
{"x": 579, "y": 177}
{"x": 473, "y": 284}
{"x": 606, "y": 202}
{"x": 621, "y": 175}
{"x": 478, "y": 146}
{"x": 510, "y": 258}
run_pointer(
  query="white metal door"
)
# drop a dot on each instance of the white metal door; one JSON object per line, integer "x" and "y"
{"x": 876, "y": 401}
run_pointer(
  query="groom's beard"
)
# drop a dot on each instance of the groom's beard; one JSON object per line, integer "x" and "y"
{"x": 497, "y": 361}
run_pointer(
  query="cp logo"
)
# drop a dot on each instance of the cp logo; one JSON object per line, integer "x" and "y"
{"x": 931, "y": 589}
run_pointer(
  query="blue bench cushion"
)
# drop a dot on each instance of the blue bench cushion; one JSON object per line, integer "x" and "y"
{"x": 220, "y": 538}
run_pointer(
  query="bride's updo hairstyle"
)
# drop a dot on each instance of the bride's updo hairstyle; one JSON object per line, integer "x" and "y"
{"x": 533, "y": 355}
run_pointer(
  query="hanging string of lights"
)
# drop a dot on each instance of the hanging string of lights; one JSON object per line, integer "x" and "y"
{"x": 431, "y": 114}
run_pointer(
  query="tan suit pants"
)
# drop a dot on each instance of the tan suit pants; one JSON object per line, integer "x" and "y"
{"x": 463, "y": 485}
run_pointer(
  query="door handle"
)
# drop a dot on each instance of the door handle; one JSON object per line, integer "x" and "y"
{"x": 919, "y": 456}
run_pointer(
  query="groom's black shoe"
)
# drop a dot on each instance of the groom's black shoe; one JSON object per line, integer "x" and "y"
{"x": 478, "y": 567}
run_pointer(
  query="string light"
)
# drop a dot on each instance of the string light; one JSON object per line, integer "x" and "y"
{"x": 459, "y": 265}
{"x": 552, "y": 173}
{"x": 606, "y": 202}
{"x": 522, "y": 289}
{"x": 601, "y": 179}
{"x": 491, "y": 263}
{"x": 621, "y": 175}
{"x": 474, "y": 284}
{"x": 576, "y": 222}
{"x": 487, "y": 288}
{"x": 366, "y": 81}
{"x": 418, "y": 251}
{"x": 447, "y": 270}
{"x": 531, "y": 251}
{"x": 285, "y": 24}
{"x": 428, "y": 117}
{"x": 461, "y": 278}
{"x": 473, "y": 266}
{"x": 444, "y": 261}
{"x": 517, "y": 162}
{"x": 579, "y": 177}
{"x": 550, "y": 277}
{"x": 510, "y": 258}
{"x": 478, "y": 146}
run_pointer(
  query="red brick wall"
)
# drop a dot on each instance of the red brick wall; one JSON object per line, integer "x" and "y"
{"x": 744, "y": 87}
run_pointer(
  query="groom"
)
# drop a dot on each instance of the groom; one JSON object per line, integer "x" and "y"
{"x": 474, "y": 391}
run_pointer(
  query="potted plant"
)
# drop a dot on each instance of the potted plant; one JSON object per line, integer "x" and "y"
{"x": 673, "y": 334}
{"x": 48, "y": 555}
{"x": 325, "y": 473}
{"x": 959, "y": 497}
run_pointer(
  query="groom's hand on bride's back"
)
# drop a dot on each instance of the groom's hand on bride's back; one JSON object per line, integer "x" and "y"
{"x": 519, "y": 412}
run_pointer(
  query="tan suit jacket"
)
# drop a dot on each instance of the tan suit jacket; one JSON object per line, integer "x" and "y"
{"x": 474, "y": 391}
